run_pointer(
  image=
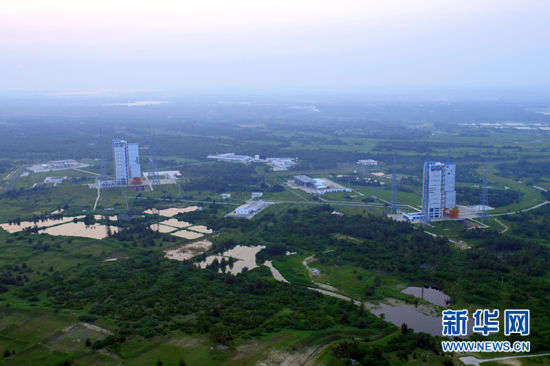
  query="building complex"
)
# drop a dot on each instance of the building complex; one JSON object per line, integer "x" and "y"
{"x": 276, "y": 164}
{"x": 368, "y": 162}
{"x": 57, "y": 165}
{"x": 316, "y": 185}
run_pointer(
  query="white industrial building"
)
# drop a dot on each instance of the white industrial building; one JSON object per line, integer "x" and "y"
{"x": 438, "y": 193}
{"x": 169, "y": 174}
{"x": 317, "y": 185}
{"x": 57, "y": 165}
{"x": 281, "y": 163}
{"x": 414, "y": 216}
{"x": 275, "y": 163}
{"x": 231, "y": 158}
{"x": 367, "y": 162}
{"x": 250, "y": 207}
{"x": 304, "y": 181}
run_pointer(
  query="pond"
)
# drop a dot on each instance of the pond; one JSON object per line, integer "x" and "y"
{"x": 246, "y": 257}
{"x": 422, "y": 318}
{"x": 186, "y": 234}
{"x": 96, "y": 231}
{"x": 29, "y": 224}
{"x": 65, "y": 227}
{"x": 429, "y": 294}
{"x": 169, "y": 212}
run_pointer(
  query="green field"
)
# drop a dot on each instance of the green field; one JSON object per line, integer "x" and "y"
{"x": 57, "y": 292}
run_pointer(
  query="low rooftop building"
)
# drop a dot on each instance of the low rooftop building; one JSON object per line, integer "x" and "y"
{"x": 250, "y": 207}
{"x": 304, "y": 181}
{"x": 367, "y": 162}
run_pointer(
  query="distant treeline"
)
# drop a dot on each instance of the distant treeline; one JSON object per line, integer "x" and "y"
{"x": 525, "y": 169}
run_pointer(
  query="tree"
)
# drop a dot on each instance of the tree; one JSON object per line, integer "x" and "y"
{"x": 221, "y": 334}
{"x": 369, "y": 290}
{"x": 404, "y": 328}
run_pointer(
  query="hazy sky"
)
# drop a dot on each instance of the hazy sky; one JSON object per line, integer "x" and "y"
{"x": 63, "y": 45}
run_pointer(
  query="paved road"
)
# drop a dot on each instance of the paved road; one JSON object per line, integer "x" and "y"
{"x": 541, "y": 189}
{"x": 506, "y": 227}
{"x": 98, "y": 194}
{"x": 336, "y": 203}
{"x": 15, "y": 179}
{"x": 85, "y": 171}
{"x": 524, "y": 210}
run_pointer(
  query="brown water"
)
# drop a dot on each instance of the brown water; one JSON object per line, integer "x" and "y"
{"x": 96, "y": 231}
{"x": 186, "y": 234}
{"x": 201, "y": 229}
{"x": 29, "y": 224}
{"x": 175, "y": 223}
{"x": 162, "y": 228}
{"x": 169, "y": 212}
{"x": 246, "y": 257}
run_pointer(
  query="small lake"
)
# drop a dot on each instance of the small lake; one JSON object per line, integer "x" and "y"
{"x": 422, "y": 318}
{"x": 186, "y": 234}
{"x": 96, "y": 231}
{"x": 428, "y": 294}
{"x": 400, "y": 313}
{"x": 246, "y": 257}
{"x": 30, "y": 224}
{"x": 65, "y": 227}
{"x": 169, "y": 212}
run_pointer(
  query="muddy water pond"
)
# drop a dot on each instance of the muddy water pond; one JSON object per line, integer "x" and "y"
{"x": 29, "y": 224}
{"x": 65, "y": 227}
{"x": 96, "y": 231}
{"x": 169, "y": 212}
{"x": 187, "y": 234}
{"x": 245, "y": 256}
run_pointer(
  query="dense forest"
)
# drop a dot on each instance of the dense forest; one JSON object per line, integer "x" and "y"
{"x": 500, "y": 271}
{"x": 496, "y": 197}
{"x": 148, "y": 295}
{"x": 524, "y": 169}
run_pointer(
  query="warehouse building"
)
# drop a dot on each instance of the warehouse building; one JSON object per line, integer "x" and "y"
{"x": 367, "y": 162}
{"x": 250, "y": 207}
{"x": 231, "y": 158}
{"x": 304, "y": 181}
{"x": 279, "y": 164}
